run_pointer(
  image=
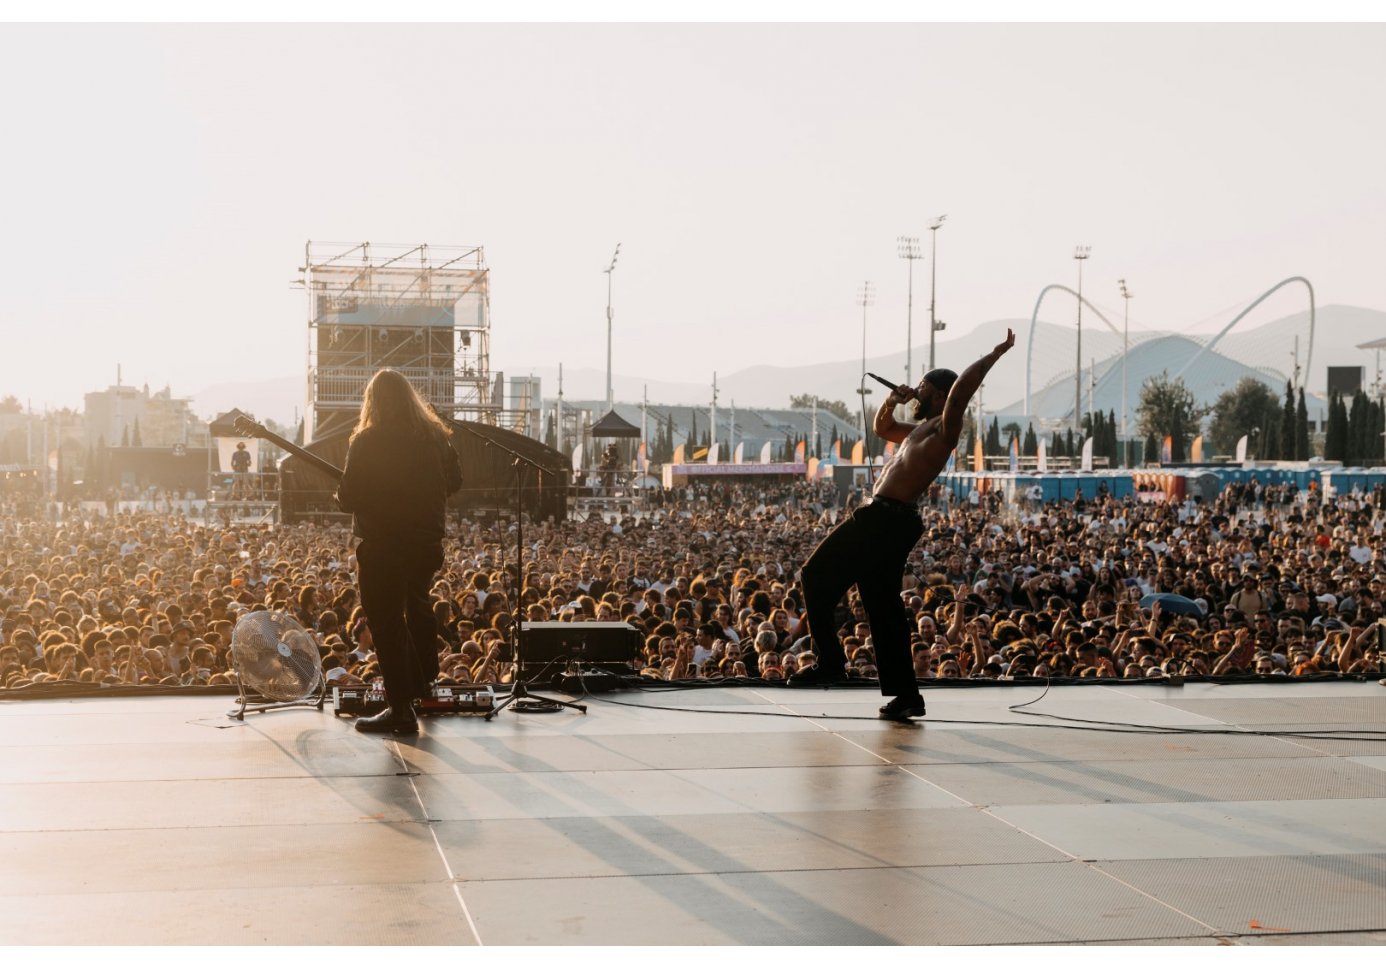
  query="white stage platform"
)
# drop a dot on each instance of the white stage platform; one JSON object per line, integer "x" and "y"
{"x": 159, "y": 821}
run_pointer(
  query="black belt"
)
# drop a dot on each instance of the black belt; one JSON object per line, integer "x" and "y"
{"x": 891, "y": 504}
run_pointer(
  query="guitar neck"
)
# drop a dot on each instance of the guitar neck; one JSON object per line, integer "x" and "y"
{"x": 326, "y": 467}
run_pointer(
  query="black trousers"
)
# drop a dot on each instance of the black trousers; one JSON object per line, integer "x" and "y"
{"x": 869, "y": 549}
{"x": 395, "y": 595}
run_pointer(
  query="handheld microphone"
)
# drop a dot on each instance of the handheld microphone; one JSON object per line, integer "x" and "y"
{"x": 887, "y": 384}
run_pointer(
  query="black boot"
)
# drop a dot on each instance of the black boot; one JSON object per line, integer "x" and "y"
{"x": 902, "y": 708}
{"x": 392, "y": 719}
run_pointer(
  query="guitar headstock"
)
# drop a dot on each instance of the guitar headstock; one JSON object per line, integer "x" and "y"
{"x": 249, "y": 428}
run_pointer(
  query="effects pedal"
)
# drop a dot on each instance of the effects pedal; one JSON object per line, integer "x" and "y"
{"x": 369, "y": 699}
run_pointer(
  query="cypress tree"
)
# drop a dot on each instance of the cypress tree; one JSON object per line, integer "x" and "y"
{"x": 1287, "y": 424}
{"x": 1302, "y": 449}
{"x": 1270, "y": 432}
{"x": 1352, "y": 444}
{"x": 1030, "y": 445}
{"x": 1152, "y": 449}
{"x": 1332, "y": 432}
{"x": 992, "y": 444}
{"x": 1376, "y": 443}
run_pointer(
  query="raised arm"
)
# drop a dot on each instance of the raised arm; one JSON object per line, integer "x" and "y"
{"x": 965, "y": 387}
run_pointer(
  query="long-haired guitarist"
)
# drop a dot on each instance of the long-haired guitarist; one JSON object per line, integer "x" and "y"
{"x": 400, "y": 469}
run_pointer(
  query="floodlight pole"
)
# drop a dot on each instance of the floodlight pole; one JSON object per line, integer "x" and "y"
{"x": 609, "y": 270}
{"x": 908, "y": 247}
{"x": 1081, "y": 254}
{"x": 866, "y": 296}
{"x": 933, "y": 279}
{"x": 1125, "y": 349}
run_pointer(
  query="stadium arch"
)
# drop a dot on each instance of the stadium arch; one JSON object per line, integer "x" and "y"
{"x": 1309, "y": 357}
{"x": 1030, "y": 345}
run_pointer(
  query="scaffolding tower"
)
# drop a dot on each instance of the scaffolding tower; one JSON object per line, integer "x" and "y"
{"x": 422, "y": 310}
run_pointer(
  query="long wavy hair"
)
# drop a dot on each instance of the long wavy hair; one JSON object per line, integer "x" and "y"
{"x": 392, "y": 403}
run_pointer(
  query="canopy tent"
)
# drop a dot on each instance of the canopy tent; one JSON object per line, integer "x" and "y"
{"x": 225, "y": 424}
{"x": 614, "y": 425}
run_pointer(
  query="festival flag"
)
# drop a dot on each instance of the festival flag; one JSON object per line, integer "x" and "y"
{"x": 739, "y": 455}
{"x": 1087, "y": 455}
{"x": 577, "y": 457}
{"x": 1042, "y": 458}
{"x": 1167, "y": 450}
{"x": 813, "y": 468}
{"x": 714, "y": 452}
{"x": 799, "y": 452}
{"x": 890, "y": 449}
{"x": 1014, "y": 450}
{"x": 1196, "y": 450}
{"x": 765, "y": 453}
{"x": 952, "y": 460}
{"x": 1241, "y": 450}
{"x": 837, "y": 451}
{"x": 678, "y": 455}
{"x": 859, "y": 452}
{"x": 642, "y": 459}
{"x": 979, "y": 460}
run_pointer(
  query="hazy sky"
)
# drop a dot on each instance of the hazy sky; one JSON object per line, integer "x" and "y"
{"x": 160, "y": 182}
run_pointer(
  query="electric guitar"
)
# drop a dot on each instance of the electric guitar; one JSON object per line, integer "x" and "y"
{"x": 249, "y": 428}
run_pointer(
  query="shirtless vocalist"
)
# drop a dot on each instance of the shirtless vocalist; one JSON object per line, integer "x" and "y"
{"x": 870, "y": 548}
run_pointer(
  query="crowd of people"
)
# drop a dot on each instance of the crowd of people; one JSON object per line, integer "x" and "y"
{"x": 1283, "y": 584}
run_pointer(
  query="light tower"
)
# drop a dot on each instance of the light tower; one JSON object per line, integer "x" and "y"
{"x": 934, "y": 324}
{"x": 909, "y": 250}
{"x": 866, "y": 296}
{"x": 1125, "y": 349}
{"x": 609, "y": 270}
{"x": 1080, "y": 253}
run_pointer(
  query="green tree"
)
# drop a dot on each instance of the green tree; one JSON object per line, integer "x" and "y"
{"x": 1358, "y": 427}
{"x": 1030, "y": 446}
{"x": 1168, "y": 408}
{"x": 1152, "y": 449}
{"x": 11, "y": 404}
{"x": 1335, "y": 443}
{"x": 1237, "y": 412}
{"x": 1287, "y": 425}
{"x": 1303, "y": 450}
{"x": 992, "y": 444}
{"x": 805, "y": 401}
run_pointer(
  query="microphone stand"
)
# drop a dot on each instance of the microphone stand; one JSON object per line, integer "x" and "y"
{"x": 519, "y": 690}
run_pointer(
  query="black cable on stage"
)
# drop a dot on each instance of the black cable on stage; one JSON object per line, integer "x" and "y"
{"x": 69, "y": 689}
{"x": 1194, "y": 730}
{"x": 1091, "y": 725}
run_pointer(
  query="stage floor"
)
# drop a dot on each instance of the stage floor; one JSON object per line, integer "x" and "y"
{"x": 159, "y": 821}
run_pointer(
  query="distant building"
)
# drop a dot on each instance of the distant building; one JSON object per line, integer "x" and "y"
{"x": 112, "y": 415}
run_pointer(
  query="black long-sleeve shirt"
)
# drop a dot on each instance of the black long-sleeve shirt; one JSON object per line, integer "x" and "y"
{"x": 397, "y": 486}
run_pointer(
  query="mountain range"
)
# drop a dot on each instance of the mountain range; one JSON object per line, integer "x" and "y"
{"x": 1268, "y": 346}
